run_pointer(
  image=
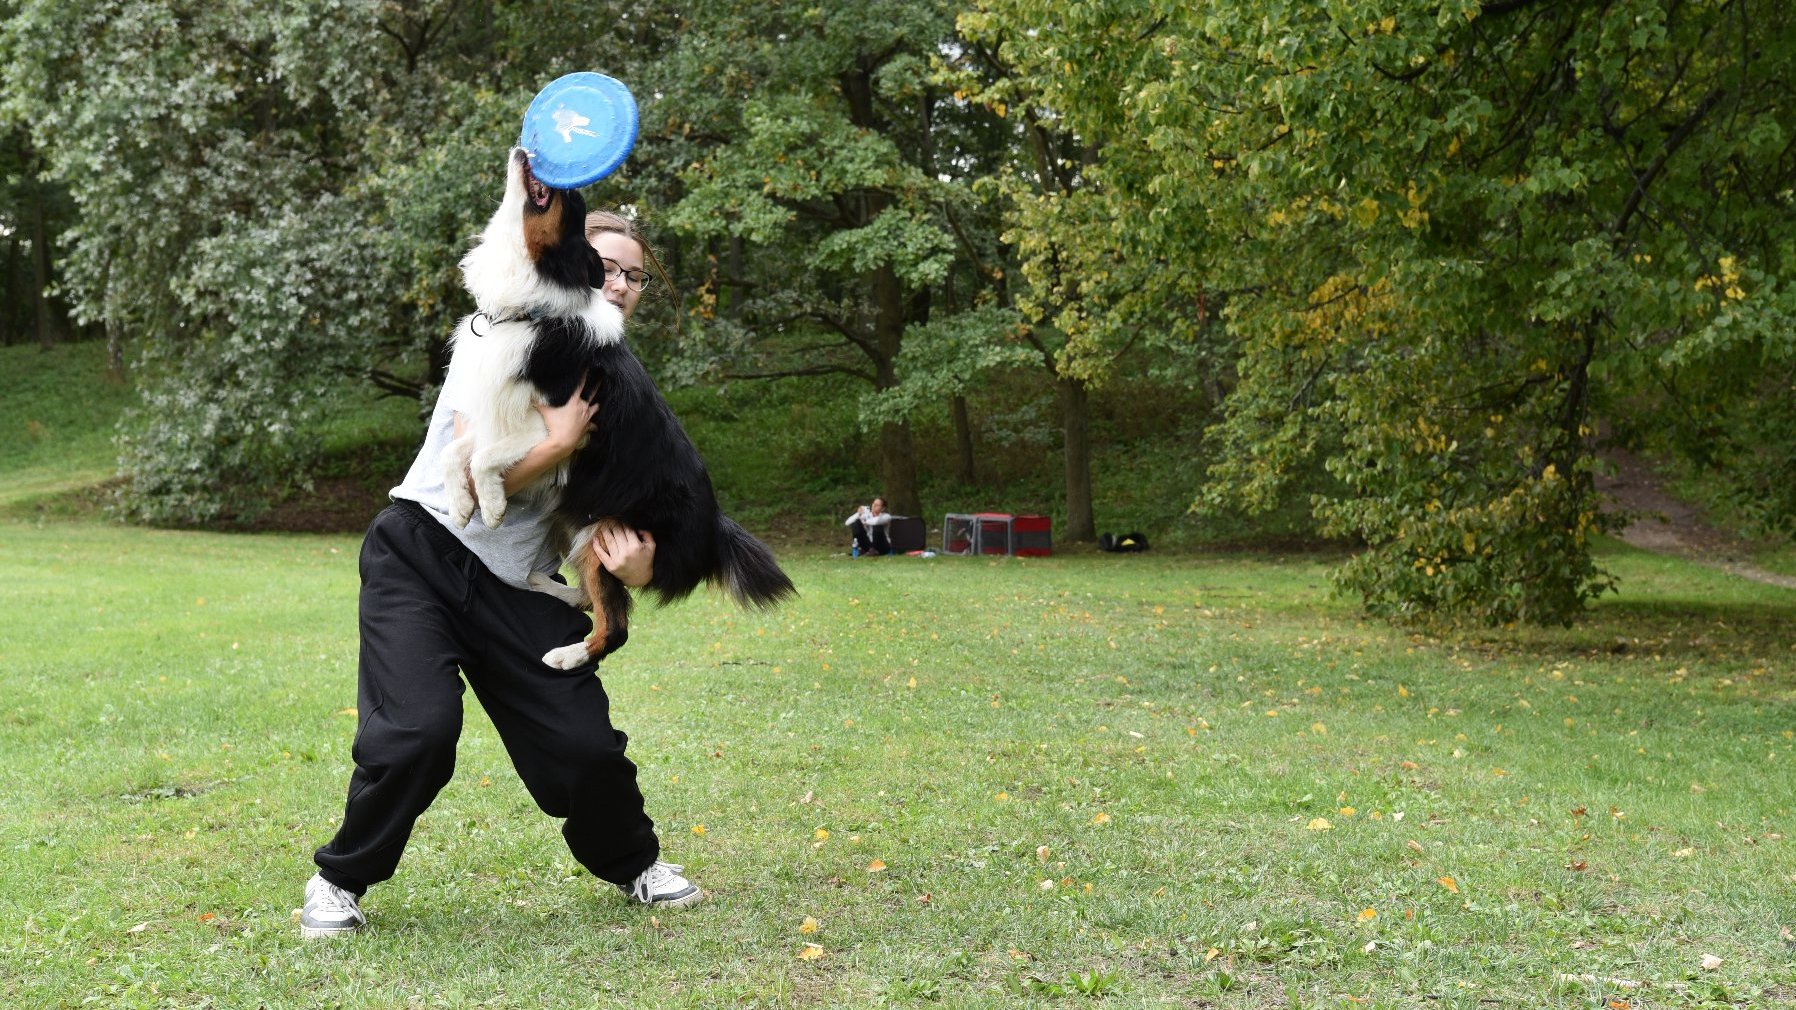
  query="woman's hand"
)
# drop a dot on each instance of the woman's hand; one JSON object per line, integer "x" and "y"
{"x": 626, "y": 553}
{"x": 568, "y": 423}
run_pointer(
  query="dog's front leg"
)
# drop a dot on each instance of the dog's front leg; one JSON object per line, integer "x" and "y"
{"x": 456, "y": 458}
{"x": 488, "y": 467}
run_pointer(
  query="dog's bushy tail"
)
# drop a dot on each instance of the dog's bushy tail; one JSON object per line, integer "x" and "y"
{"x": 748, "y": 571}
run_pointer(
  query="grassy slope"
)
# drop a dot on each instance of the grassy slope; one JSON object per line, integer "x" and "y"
{"x": 57, "y": 408}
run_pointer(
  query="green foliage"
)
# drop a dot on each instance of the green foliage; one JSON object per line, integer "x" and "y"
{"x": 1454, "y": 240}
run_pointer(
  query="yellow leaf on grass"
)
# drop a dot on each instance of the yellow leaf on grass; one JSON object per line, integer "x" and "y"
{"x": 698, "y": 829}
{"x": 1101, "y": 818}
{"x": 808, "y": 926}
{"x": 1318, "y": 824}
{"x": 1348, "y": 811}
{"x": 1402, "y": 692}
{"x": 876, "y": 866}
{"x": 347, "y": 711}
{"x": 1449, "y": 884}
{"x": 820, "y": 834}
{"x": 810, "y": 952}
{"x": 1367, "y": 915}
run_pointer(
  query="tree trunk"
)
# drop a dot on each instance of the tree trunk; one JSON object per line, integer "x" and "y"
{"x": 898, "y": 461}
{"x": 40, "y": 274}
{"x": 1075, "y": 411}
{"x": 963, "y": 439}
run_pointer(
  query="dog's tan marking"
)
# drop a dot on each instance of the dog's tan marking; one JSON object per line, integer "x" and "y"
{"x": 542, "y": 232}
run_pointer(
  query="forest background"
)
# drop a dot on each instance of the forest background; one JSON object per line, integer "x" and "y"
{"x": 1395, "y": 275}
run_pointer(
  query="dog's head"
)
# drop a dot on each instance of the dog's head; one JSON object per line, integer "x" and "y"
{"x": 533, "y": 257}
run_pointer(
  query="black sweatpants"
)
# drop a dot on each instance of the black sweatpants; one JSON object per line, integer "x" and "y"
{"x": 428, "y": 608}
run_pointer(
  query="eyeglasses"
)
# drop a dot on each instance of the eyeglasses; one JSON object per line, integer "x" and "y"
{"x": 636, "y": 279}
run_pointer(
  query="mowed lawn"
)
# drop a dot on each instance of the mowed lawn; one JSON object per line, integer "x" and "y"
{"x": 1141, "y": 781}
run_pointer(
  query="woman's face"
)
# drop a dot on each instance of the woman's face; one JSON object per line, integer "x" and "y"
{"x": 626, "y": 252}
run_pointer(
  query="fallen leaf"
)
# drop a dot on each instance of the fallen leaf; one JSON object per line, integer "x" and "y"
{"x": 1101, "y": 818}
{"x": 924, "y": 899}
{"x": 698, "y": 829}
{"x": 1577, "y": 866}
{"x": 820, "y": 834}
{"x": 810, "y": 952}
{"x": 1042, "y": 853}
{"x": 876, "y": 866}
{"x": 1710, "y": 962}
{"x": 1412, "y": 843}
{"x": 1367, "y": 915}
{"x": 808, "y": 926}
{"x": 1449, "y": 884}
{"x": 1318, "y": 824}
{"x": 140, "y": 927}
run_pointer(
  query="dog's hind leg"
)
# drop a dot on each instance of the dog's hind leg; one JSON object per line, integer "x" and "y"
{"x": 610, "y": 616}
{"x": 570, "y": 595}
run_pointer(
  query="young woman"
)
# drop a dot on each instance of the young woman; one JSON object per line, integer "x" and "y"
{"x": 439, "y": 604}
{"x": 867, "y": 525}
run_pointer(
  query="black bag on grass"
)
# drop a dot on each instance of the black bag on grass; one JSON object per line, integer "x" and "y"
{"x": 1128, "y": 543}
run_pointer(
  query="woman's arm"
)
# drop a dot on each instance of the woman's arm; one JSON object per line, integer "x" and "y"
{"x": 567, "y": 424}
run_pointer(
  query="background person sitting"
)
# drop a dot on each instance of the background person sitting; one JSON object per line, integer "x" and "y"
{"x": 868, "y": 524}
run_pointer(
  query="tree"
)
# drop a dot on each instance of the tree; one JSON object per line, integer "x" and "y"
{"x": 1475, "y": 227}
{"x": 272, "y": 202}
{"x": 1448, "y": 240}
{"x": 1102, "y": 270}
{"x": 831, "y": 194}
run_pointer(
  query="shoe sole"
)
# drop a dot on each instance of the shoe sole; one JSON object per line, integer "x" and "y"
{"x": 326, "y": 932}
{"x": 681, "y": 902}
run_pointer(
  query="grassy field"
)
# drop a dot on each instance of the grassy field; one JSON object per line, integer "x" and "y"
{"x": 1161, "y": 780}
{"x": 1149, "y": 781}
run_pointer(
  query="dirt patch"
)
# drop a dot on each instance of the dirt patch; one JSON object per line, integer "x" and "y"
{"x": 334, "y": 505}
{"x": 1667, "y": 525}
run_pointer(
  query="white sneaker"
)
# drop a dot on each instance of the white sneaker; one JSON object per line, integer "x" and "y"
{"x": 663, "y": 886}
{"x": 329, "y": 911}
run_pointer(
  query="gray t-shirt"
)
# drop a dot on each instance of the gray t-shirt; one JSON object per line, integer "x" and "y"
{"x": 520, "y": 545}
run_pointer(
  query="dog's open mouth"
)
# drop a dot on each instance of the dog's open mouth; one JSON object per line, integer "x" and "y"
{"x": 539, "y": 194}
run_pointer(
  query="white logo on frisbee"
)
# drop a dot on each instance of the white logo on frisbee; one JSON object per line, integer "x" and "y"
{"x": 568, "y": 122}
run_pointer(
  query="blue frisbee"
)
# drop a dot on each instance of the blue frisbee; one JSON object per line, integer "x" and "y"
{"x": 579, "y": 129}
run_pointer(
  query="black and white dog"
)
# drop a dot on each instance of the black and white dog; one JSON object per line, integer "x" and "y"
{"x": 542, "y": 331}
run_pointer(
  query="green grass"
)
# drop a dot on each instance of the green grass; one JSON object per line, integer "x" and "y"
{"x": 1609, "y": 801}
{"x": 56, "y": 418}
{"x": 1613, "y": 800}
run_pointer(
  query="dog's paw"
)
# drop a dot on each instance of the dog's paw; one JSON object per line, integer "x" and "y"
{"x": 568, "y": 657}
{"x": 491, "y": 494}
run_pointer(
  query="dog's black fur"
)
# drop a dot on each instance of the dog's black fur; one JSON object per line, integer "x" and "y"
{"x": 638, "y": 466}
